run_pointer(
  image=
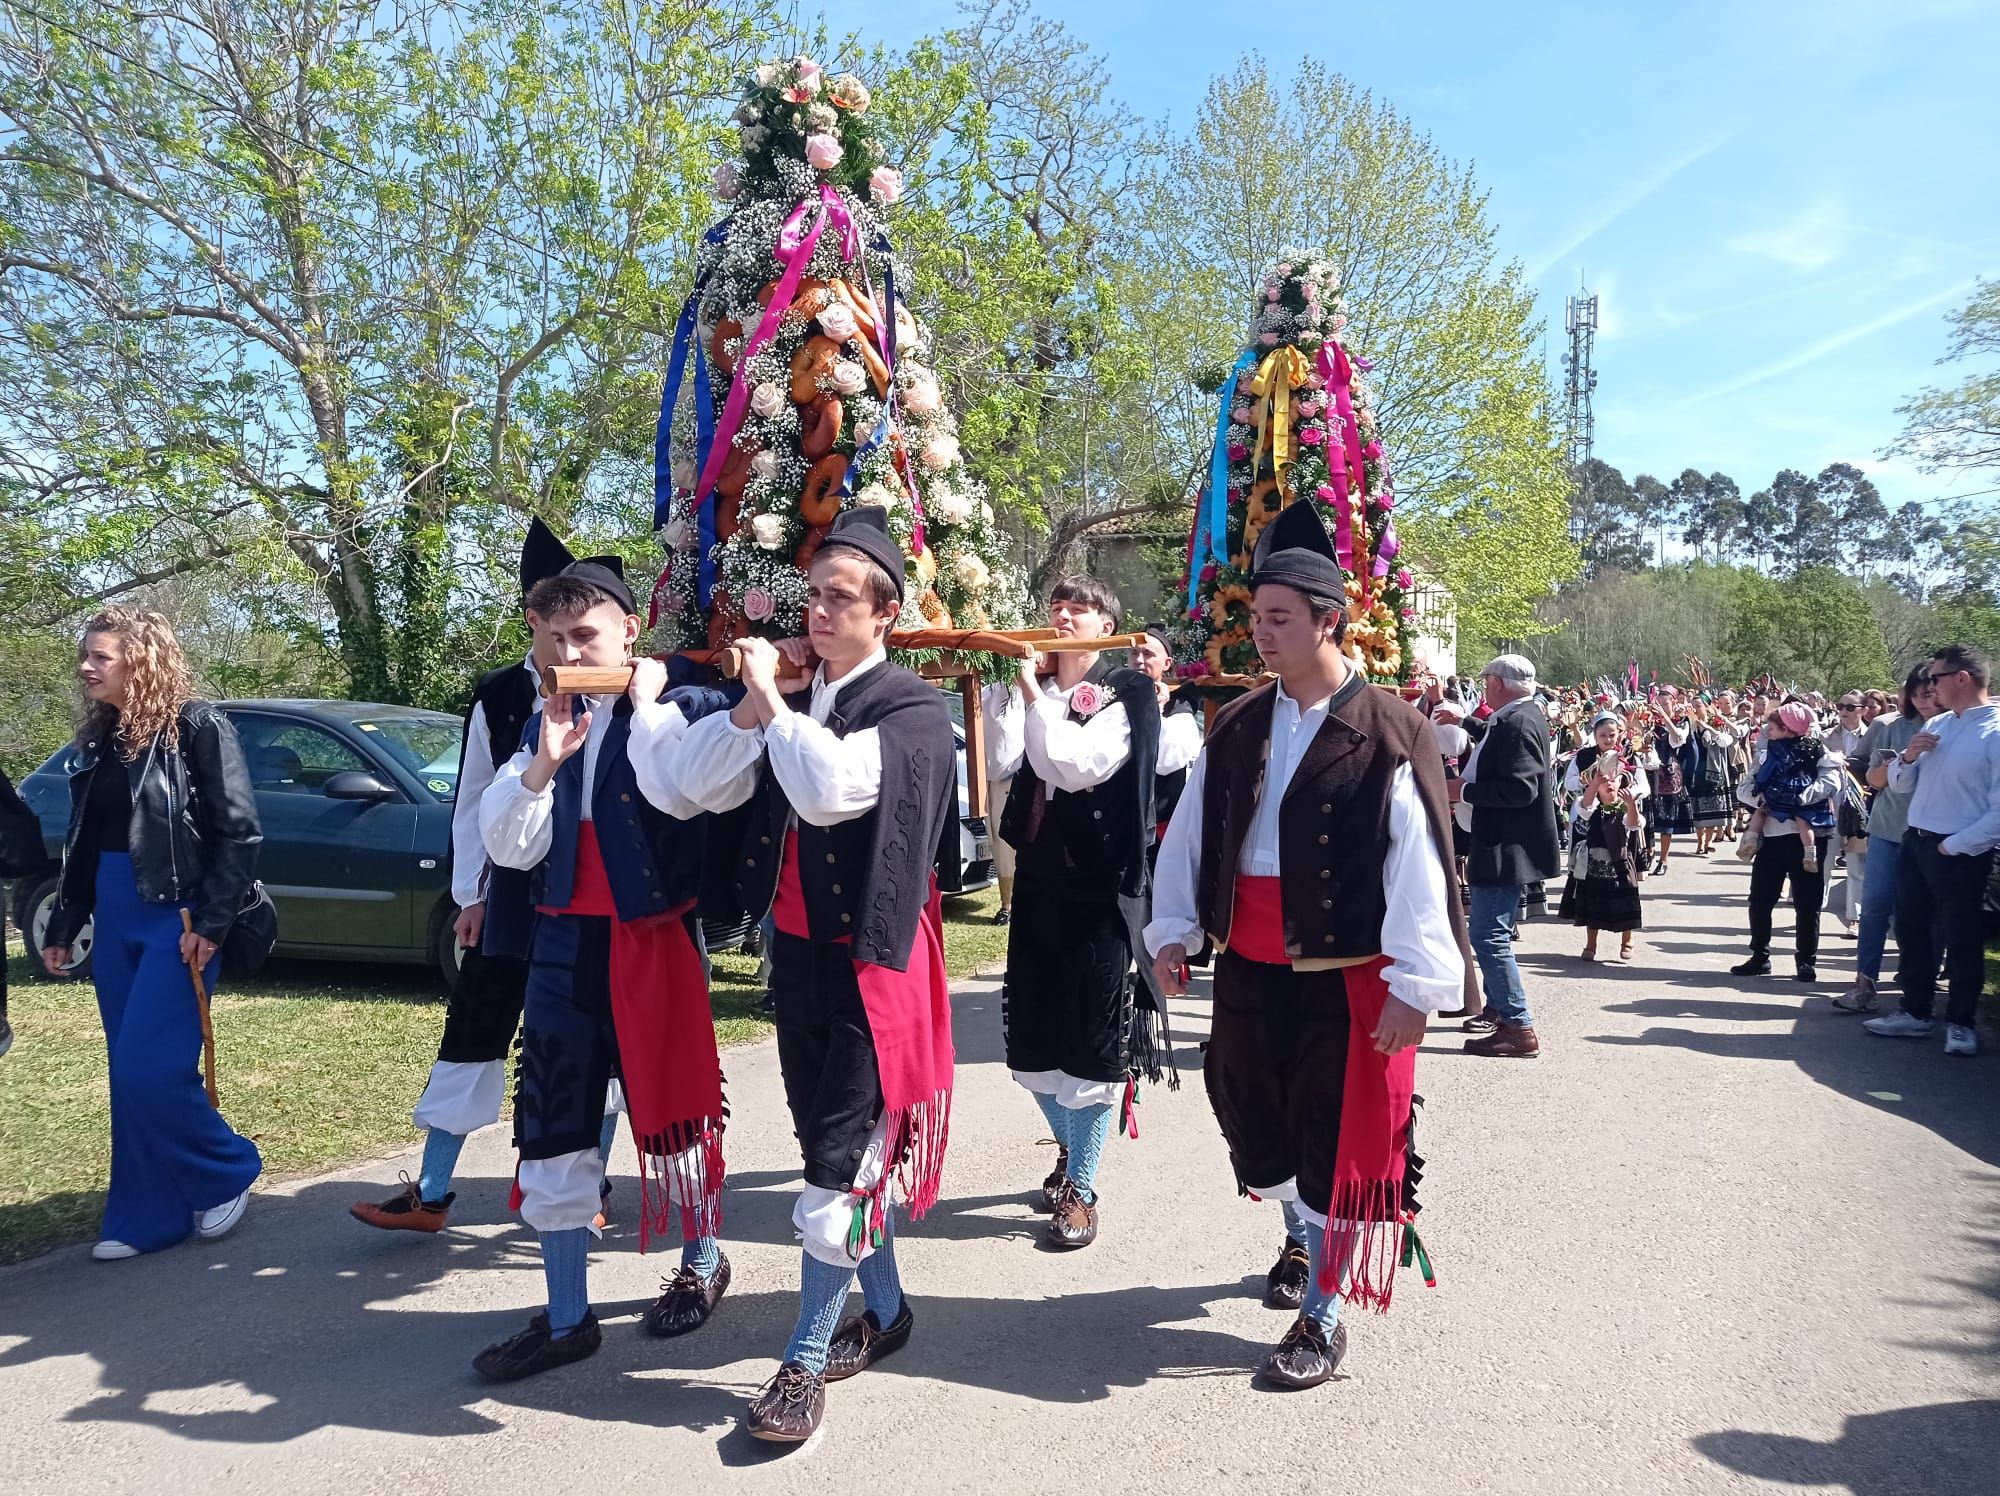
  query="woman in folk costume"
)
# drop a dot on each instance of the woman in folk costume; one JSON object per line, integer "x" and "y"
{"x": 1675, "y": 758}
{"x": 1082, "y": 748}
{"x": 1314, "y": 845}
{"x": 1606, "y": 785}
{"x": 1712, "y": 785}
{"x": 466, "y": 1083}
{"x": 616, "y": 980}
{"x": 848, "y": 790}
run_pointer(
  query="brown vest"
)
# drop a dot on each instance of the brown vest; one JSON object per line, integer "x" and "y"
{"x": 1333, "y": 828}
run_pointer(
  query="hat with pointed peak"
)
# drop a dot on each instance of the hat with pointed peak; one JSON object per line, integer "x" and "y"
{"x": 1295, "y": 551}
{"x": 542, "y": 555}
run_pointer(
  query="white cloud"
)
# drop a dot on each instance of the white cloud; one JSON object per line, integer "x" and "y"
{"x": 1582, "y": 231}
{"x": 1809, "y": 240}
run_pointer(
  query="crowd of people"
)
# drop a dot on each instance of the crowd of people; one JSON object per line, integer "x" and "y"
{"x": 1350, "y": 863}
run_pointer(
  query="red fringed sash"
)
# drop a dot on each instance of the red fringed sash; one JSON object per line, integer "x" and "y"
{"x": 1366, "y": 1225}
{"x": 909, "y": 1014}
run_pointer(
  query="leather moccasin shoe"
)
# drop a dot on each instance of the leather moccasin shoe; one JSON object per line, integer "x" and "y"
{"x": 861, "y": 1342}
{"x": 1054, "y": 1182}
{"x": 1074, "y": 1223}
{"x": 1511, "y": 1041}
{"x": 404, "y": 1211}
{"x": 535, "y": 1349}
{"x": 789, "y": 1408}
{"x": 1306, "y": 1356}
{"x": 685, "y": 1302}
{"x": 1285, "y": 1284}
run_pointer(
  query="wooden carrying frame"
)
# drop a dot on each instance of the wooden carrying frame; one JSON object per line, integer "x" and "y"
{"x": 950, "y": 665}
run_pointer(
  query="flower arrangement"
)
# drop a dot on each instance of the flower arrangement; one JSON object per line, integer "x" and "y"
{"x": 810, "y": 389}
{"x": 1295, "y": 423}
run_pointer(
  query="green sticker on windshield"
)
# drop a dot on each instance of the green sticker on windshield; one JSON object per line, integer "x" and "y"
{"x": 438, "y": 786}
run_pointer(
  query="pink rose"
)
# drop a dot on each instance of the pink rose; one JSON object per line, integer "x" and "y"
{"x": 1373, "y": 449}
{"x": 1326, "y": 493}
{"x": 728, "y": 181}
{"x": 806, "y": 70}
{"x": 847, "y": 377}
{"x": 1241, "y": 415}
{"x": 1409, "y": 612}
{"x": 1238, "y": 452}
{"x": 823, "y": 152}
{"x": 1387, "y": 500}
{"x": 921, "y": 397}
{"x": 1312, "y": 436}
{"x": 836, "y": 320}
{"x": 1403, "y": 579}
{"x": 1269, "y": 340}
{"x": 885, "y": 184}
{"x": 767, "y": 400}
{"x": 1085, "y": 700}
{"x": 758, "y": 605}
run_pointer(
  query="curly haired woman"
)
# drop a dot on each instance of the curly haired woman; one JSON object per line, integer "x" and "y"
{"x": 162, "y": 820}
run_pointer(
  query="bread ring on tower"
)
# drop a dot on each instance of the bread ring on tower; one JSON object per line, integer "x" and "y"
{"x": 819, "y": 426}
{"x": 819, "y": 500}
{"x": 726, "y": 331}
{"x": 735, "y": 471}
{"x": 811, "y": 366}
{"x": 809, "y": 547}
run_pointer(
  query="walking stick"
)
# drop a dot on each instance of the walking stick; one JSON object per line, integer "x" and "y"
{"x": 207, "y": 1021}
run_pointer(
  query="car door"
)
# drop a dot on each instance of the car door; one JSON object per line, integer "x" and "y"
{"x": 338, "y": 870}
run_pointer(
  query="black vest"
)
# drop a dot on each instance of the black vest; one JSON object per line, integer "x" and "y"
{"x": 868, "y": 878}
{"x": 509, "y": 700}
{"x": 1095, "y": 838}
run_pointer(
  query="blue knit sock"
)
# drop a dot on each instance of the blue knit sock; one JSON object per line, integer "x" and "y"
{"x": 703, "y": 1254}
{"x": 1321, "y": 1307}
{"x": 566, "y": 1265}
{"x": 881, "y": 1284}
{"x": 1297, "y": 1227}
{"x": 1089, "y": 1131}
{"x": 1058, "y": 1116}
{"x": 606, "y": 1136}
{"x": 440, "y": 1158}
{"x": 822, "y": 1295}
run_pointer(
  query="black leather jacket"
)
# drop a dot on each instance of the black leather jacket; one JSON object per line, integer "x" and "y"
{"x": 194, "y": 833}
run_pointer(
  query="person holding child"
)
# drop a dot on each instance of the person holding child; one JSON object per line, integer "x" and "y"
{"x": 1791, "y": 793}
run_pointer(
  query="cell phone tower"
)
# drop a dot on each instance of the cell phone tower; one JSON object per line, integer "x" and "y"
{"x": 1579, "y": 379}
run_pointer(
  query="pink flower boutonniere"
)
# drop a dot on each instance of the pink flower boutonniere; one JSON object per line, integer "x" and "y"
{"x": 1085, "y": 699}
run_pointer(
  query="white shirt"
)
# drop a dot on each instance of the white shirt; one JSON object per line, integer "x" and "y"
{"x": 1957, "y": 784}
{"x": 514, "y": 821}
{"x": 1180, "y": 742}
{"x": 475, "y": 773}
{"x": 714, "y": 765}
{"x": 1426, "y": 971}
{"x": 1065, "y": 755}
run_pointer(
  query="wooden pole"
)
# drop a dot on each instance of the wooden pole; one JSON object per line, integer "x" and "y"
{"x": 207, "y": 1019}
{"x": 975, "y": 746}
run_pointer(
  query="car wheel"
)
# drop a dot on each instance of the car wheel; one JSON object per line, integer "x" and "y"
{"x": 445, "y": 951}
{"x": 32, "y": 911}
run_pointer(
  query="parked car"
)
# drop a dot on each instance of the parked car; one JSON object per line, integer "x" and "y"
{"x": 356, "y": 800}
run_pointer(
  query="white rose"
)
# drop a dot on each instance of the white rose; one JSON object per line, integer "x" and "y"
{"x": 985, "y": 512}
{"x": 767, "y": 400}
{"x": 940, "y": 452}
{"x": 678, "y": 535}
{"x": 684, "y": 474}
{"x": 768, "y": 530}
{"x": 922, "y": 397}
{"x": 950, "y": 507}
{"x": 971, "y": 573}
{"x": 765, "y": 465}
{"x": 847, "y": 377}
{"x": 767, "y": 75}
{"x": 877, "y": 495}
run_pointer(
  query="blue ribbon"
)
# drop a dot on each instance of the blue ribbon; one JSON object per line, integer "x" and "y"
{"x": 1212, "y": 522}
{"x": 704, "y": 422}
{"x": 864, "y": 449}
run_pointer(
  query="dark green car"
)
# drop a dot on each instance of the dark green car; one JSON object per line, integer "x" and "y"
{"x": 355, "y": 800}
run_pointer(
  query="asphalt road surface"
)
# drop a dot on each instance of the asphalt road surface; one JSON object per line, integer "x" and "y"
{"x": 1714, "y": 1239}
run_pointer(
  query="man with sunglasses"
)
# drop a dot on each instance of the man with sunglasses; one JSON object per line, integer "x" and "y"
{"x": 1952, "y": 769}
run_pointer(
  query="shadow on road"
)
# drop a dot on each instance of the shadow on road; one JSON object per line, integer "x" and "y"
{"x": 1955, "y": 1446}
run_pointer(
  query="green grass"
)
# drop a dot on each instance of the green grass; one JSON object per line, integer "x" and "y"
{"x": 318, "y": 1061}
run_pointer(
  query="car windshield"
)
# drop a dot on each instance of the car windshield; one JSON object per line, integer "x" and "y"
{"x": 426, "y": 746}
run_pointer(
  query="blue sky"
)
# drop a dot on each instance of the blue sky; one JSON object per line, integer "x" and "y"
{"x": 1777, "y": 203}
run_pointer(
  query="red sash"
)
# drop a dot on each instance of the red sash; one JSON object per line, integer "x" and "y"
{"x": 1257, "y": 922}
{"x": 590, "y": 886}
{"x": 788, "y": 909}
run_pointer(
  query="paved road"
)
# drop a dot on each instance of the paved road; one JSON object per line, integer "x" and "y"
{"x": 1715, "y": 1239}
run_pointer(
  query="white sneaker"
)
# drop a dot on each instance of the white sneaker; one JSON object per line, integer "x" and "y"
{"x": 113, "y": 1251}
{"x": 1959, "y": 1039}
{"x": 1860, "y": 998}
{"x": 1899, "y": 1025}
{"x": 220, "y": 1221}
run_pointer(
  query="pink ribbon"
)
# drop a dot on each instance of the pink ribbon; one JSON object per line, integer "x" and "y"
{"x": 794, "y": 250}
{"x": 1333, "y": 372}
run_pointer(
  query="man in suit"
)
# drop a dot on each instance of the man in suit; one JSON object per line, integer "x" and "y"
{"x": 1510, "y": 784}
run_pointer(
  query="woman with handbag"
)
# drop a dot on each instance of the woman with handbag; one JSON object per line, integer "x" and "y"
{"x": 162, "y": 842}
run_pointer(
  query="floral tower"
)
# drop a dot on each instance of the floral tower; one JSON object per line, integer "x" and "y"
{"x": 810, "y": 390}
{"x": 1294, "y": 424}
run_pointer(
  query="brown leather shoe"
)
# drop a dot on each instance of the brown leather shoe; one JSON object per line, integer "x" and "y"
{"x": 789, "y": 1408}
{"x": 1055, "y": 1179}
{"x": 405, "y": 1211}
{"x": 861, "y": 1342}
{"x": 1285, "y": 1284}
{"x": 685, "y": 1302}
{"x": 1306, "y": 1356}
{"x": 1074, "y": 1223}
{"x": 1511, "y": 1041}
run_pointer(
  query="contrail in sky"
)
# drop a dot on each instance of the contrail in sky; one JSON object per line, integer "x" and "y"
{"x": 1611, "y": 211}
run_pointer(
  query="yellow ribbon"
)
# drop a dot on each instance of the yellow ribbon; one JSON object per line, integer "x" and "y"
{"x": 1282, "y": 371}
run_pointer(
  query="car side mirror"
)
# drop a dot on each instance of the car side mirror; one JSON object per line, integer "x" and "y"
{"x": 356, "y": 784}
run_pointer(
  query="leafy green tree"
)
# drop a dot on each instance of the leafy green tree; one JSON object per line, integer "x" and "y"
{"x": 1653, "y": 510}
{"x": 1958, "y": 429}
{"x": 1856, "y": 514}
{"x": 1602, "y": 508}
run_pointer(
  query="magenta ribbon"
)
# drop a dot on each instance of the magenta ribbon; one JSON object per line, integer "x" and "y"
{"x": 794, "y": 250}
{"x": 1333, "y": 371}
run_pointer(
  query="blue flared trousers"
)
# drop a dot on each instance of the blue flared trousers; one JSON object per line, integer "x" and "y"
{"x": 172, "y": 1155}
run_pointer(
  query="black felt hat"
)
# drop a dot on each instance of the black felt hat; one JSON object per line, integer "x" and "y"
{"x": 865, "y": 528}
{"x": 542, "y": 555}
{"x": 607, "y": 575}
{"x": 1295, "y": 551}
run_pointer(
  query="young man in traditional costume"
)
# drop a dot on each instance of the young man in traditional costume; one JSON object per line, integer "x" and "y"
{"x": 492, "y": 930}
{"x": 1082, "y": 749}
{"x": 848, "y": 788}
{"x": 1312, "y": 845}
{"x": 616, "y": 980}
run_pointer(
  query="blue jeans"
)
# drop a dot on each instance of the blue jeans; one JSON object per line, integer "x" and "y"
{"x": 1878, "y": 905}
{"x": 1490, "y": 926}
